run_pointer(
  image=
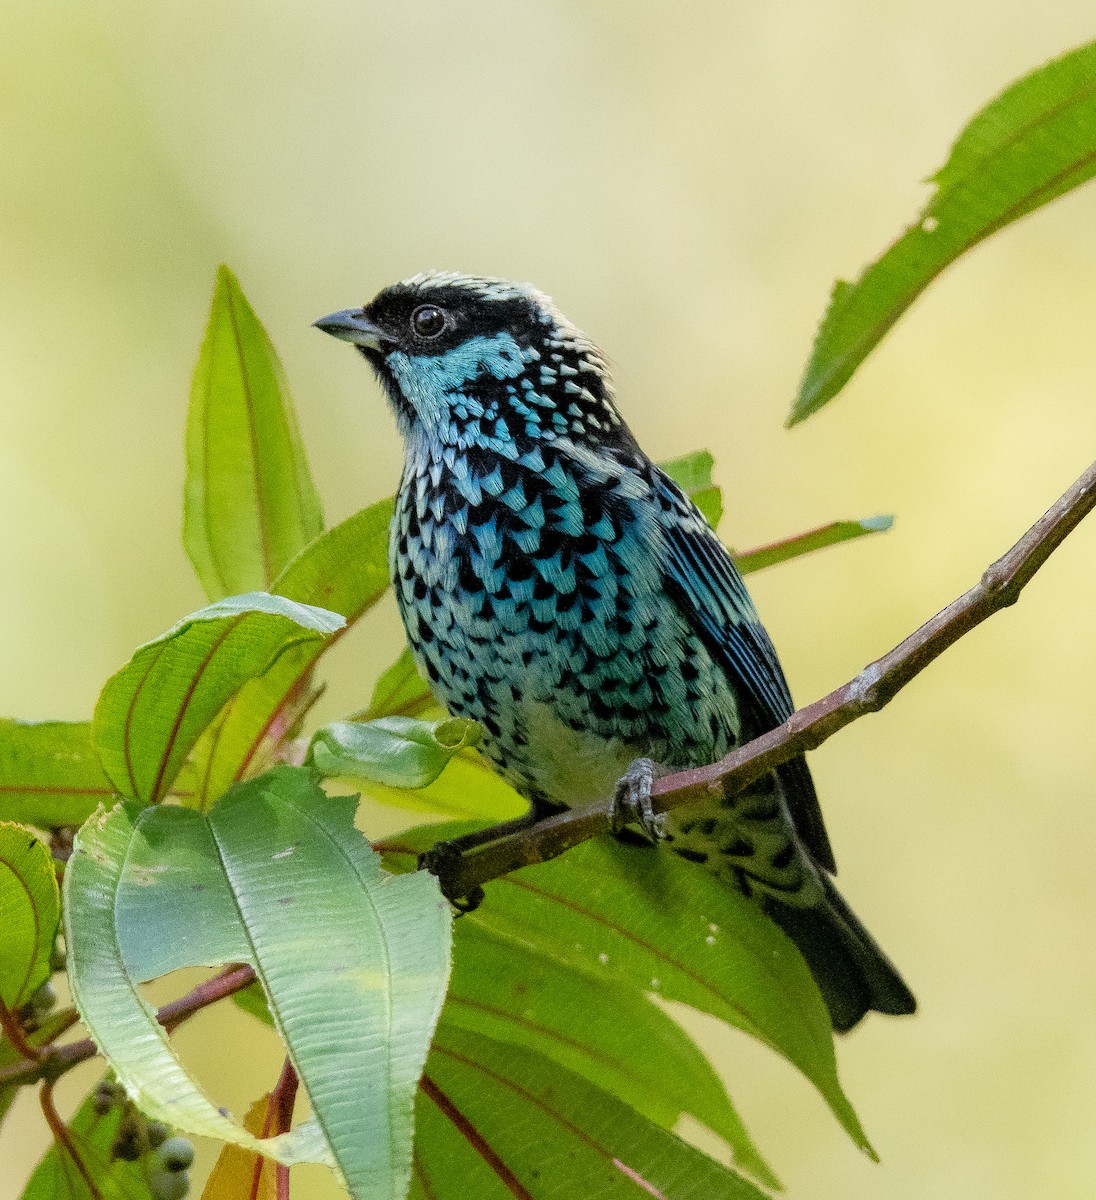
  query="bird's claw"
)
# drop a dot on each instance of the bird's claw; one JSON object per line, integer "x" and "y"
{"x": 631, "y": 802}
{"x": 442, "y": 861}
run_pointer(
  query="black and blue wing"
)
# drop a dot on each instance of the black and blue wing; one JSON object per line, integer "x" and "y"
{"x": 710, "y": 593}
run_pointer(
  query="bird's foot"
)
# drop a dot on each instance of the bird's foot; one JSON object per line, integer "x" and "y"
{"x": 631, "y": 802}
{"x": 443, "y": 861}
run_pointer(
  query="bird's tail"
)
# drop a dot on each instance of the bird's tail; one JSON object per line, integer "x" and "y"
{"x": 852, "y": 972}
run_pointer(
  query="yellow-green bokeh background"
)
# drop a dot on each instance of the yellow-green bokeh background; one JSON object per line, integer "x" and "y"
{"x": 686, "y": 180}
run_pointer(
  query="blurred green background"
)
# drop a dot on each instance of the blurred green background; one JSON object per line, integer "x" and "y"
{"x": 686, "y": 181}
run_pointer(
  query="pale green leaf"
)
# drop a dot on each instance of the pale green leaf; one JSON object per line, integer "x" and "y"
{"x": 49, "y": 773}
{"x": 274, "y": 875}
{"x": 1034, "y": 142}
{"x": 250, "y": 504}
{"x": 151, "y": 713}
{"x": 402, "y": 752}
{"x": 29, "y": 913}
{"x": 805, "y": 543}
{"x": 468, "y": 788}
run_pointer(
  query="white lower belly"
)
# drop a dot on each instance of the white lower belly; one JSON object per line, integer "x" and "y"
{"x": 573, "y": 767}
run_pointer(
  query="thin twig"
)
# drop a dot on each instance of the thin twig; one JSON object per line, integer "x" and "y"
{"x": 55, "y": 1061}
{"x": 809, "y": 727}
{"x": 61, "y": 1135}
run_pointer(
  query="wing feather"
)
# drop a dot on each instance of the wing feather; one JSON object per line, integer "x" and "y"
{"x": 711, "y": 595}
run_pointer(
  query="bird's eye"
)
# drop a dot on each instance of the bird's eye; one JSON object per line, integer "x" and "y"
{"x": 428, "y": 321}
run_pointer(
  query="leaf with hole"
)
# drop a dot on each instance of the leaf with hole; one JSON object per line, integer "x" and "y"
{"x": 275, "y": 875}
{"x": 613, "y": 1037}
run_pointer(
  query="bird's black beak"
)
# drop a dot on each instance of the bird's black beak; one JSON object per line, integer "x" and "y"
{"x": 352, "y": 325}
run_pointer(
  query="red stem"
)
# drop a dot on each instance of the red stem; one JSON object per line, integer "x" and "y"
{"x": 14, "y": 1032}
{"x": 63, "y": 1138}
{"x": 282, "y": 1100}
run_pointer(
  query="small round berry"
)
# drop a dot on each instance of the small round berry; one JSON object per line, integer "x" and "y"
{"x": 44, "y": 999}
{"x": 157, "y": 1133}
{"x": 176, "y": 1154}
{"x": 128, "y": 1142}
{"x": 167, "y": 1185}
{"x": 104, "y": 1098}
{"x": 428, "y": 321}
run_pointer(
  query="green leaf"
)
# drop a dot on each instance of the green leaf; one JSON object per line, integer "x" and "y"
{"x": 1034, "y": 142}
{"x": 693, "y": 474}
{"x": 29, "y": 913}
{"x": 647, "y": 919}
{"x": 806, "y": 543}
{"x": 612, "y": 1036}
{"x": 151, "y": 713}
{"x": 49, "y": 773}
{"x": 345, "y": 571}
{"x": 400, "y": 691}
{"x": 467, "y": 789}
{"x": 401, "y": 752}
{"x": 349, "y": 958}
{"x": 57, "y": 1176}
{"x": 710, "y": 503}
{"x": 250, "y": 504}
{"x": 499, "y": 1121}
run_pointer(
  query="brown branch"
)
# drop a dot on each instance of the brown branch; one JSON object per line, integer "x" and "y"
{"x": 875, "y": 686}
{"x": 55, "y": 1061}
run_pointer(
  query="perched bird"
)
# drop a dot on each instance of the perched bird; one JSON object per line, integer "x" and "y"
{"x": 559, "y": 589}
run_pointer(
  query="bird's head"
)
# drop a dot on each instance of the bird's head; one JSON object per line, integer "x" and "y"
{"x": 471, "y": 361}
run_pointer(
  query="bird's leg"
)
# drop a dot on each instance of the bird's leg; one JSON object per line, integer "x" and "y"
{"x": 443, "y": 859}
{"x": 631, "y": 801}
